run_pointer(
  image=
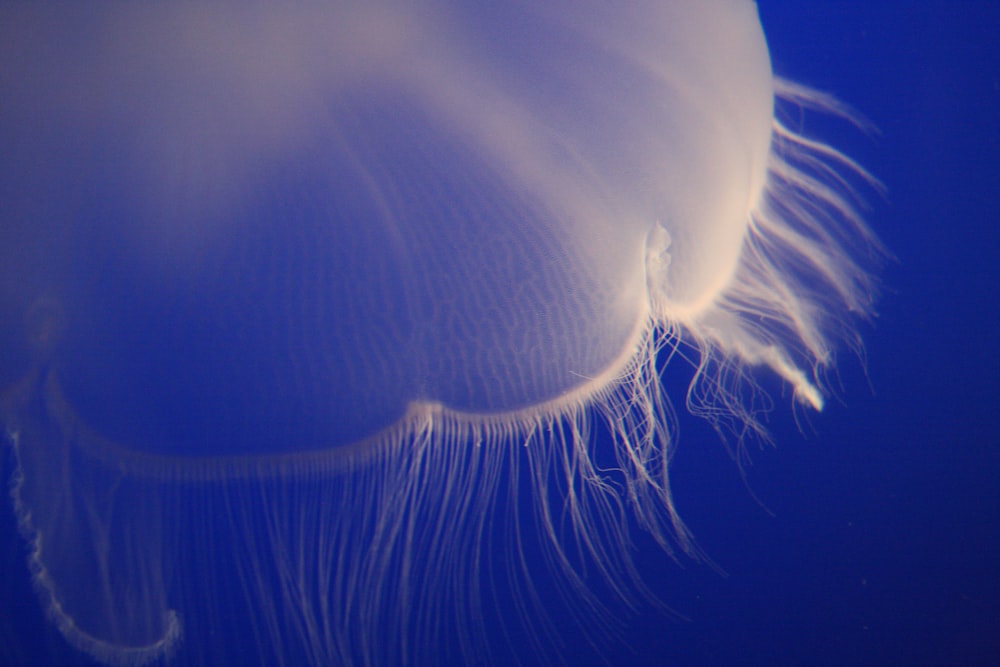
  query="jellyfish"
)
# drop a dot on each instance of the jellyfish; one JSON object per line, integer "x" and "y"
{"x": 328, "y": 327}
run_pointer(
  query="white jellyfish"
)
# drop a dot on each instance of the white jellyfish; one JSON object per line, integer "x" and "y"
{"x": 327, "y": 302}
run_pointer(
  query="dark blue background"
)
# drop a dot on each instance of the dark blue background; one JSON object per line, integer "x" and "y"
{"x": 871, "y": 534}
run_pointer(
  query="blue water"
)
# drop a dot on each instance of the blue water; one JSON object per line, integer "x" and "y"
{"x": 871, "y": 533}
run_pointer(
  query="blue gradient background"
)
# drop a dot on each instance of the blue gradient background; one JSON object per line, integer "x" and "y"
{"x": 871, "y": 534}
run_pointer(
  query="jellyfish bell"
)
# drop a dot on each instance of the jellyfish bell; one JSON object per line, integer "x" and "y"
{"x": 312, "y": 291}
